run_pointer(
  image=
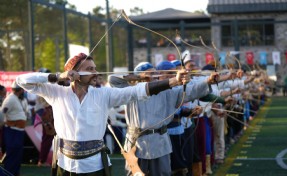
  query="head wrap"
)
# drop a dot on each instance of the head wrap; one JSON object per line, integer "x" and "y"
{"x": 143, "y": 66}
{"x": 72, "y": 61}
{"x": 165, "y": 65}
{"x": 176, "y": 63}
{"x": 15, "y": 85}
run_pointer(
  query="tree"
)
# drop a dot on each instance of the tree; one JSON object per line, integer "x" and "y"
{"x": 199, "y": 12}
{"x": 13, "y": 27}
{"x": 97, "y": 11}
{"x": 48, "y": 35}
{"x": 136, "y": 11}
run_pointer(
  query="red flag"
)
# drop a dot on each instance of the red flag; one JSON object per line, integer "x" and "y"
{"x": 171, "y": 57}
{"x": 208, "y": 58}
{"x": 37, "y": 120}
{"x": 249, "y": 57}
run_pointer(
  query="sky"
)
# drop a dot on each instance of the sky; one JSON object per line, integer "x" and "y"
{"x": 86, "y": 6}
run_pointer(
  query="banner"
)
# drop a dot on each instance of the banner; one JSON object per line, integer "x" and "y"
{"x": 249, "y": 58}
{"x": 7, "y": 78}
{"x": 171, "y": 57}
{"x": 276, "y": 57}
{"x": 158, "y": 58}
{"x": 263, "y": 58}
{"x": 208, "y": 58}
{"x": 222, "y": 56}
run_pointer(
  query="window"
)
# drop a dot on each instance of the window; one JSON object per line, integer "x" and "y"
{"x": 250, "y": 33}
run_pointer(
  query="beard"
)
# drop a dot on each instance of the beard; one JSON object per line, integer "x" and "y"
{"x": 21, "y": 96}
{"x": 94, "y": 81}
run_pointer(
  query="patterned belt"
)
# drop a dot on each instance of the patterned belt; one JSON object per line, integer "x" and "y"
{"x": 80, "y": 149}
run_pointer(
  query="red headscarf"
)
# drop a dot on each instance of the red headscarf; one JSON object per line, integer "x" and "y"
{"x": 72, "y": 62}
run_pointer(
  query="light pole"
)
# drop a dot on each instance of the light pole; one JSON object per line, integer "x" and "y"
{"x": 109, "y": 49}
{"x": 31, "y": 33}
{"x": 65, "y": 32}
{"x": 8, "y": 54}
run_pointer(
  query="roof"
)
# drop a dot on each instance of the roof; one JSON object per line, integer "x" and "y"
{"x": 217, "y": 2}
{"x": 168, "y": 14}
{"x": 244, "y": 6}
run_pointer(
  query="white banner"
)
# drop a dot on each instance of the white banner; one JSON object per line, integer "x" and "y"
{"x": 276, "y": 57}
{"x": 158, "y": 58}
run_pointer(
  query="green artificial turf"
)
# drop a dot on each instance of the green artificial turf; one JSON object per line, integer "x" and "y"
{"x": 255, "y": 153}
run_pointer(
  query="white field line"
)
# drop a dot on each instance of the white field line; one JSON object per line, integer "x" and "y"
{"x": 279, "y": 159}
{"x": 259, "y": 159}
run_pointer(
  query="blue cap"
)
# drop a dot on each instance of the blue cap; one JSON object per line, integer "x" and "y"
{"x": 165, "y": 65}
{"x": 143, "y": 66}
{"x": 176, "y": 63}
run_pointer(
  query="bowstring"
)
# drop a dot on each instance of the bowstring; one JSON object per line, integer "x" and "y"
{"x": 180, "y": 56}
{"x": 106, "y": 32}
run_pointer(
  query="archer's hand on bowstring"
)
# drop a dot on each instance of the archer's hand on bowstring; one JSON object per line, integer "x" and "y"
{"x": 71, "y": 75}
{"x": 182, "y": 77}
{"x": 239, "y": 73}
{"x": 132, "y": 161}
{"x": 213, "y": 78}
{"x": 197, "y": 111}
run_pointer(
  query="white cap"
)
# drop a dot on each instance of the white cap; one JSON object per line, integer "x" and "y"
{"x": 15, "y": 85}
{"x": 187, "y": 58}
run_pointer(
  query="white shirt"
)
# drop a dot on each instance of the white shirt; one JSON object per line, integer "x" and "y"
{"x": 16, "y": 110}
{"x": 232, "y": 84}
{"x": 114, "y": 115}
{"x": 80, "y": 121}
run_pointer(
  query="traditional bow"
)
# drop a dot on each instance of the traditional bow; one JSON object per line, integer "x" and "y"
{"x": 179, "y": 54}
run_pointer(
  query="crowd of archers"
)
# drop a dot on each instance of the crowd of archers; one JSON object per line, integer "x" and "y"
{"x": 179, "y": 117}
{"x": 200, "y": 129}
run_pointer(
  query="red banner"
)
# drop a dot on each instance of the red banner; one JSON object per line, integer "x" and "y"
{"x": 249, "y": 58}
{"x": 171, "y": 57}
{"x": 208, "y": 58}
{"x": 7, "y": 78}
